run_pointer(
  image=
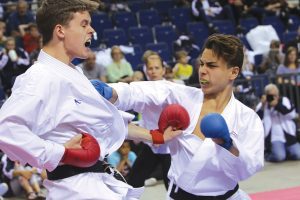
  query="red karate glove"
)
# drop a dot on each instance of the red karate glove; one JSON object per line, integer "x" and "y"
{"x": 173, "y": 115}
{"x": 85, "y": 157}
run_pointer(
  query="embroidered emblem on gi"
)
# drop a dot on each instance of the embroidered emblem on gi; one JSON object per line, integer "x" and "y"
{"x": 234, "y": 133}
{"x": 77, "y": 101}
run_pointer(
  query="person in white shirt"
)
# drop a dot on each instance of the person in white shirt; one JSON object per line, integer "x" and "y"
{"x": 203, "y": 168}
{"x": 278, "y": 115}
{"x": 56, "y": 120}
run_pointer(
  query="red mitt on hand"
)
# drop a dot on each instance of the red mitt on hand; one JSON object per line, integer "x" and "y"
{"x": 173, "y": 115}
{"x": 85, "y": 157}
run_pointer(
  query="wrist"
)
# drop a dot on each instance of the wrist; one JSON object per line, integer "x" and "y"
{"x": 157, "y": 137}
{"x": 227, "y": 144}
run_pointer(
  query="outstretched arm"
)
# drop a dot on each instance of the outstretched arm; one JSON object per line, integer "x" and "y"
{"x": 139, "y": 133}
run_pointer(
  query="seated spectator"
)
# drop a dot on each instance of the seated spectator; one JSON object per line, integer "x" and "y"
{"x": 182, "y": 70}
{"x": 27, "y": 177}
{"x": 208, "y": 10}
{"x": 290, "y": 66}
{"x": 92, "y": 69}
{"x": 21, "y": 16}
{"x": 294, "y": 43}
{"x": 123, "y": 159}
{"x": 186, "y": 43}
{"x": 31, "y": 37}
{"x": 272, "y": 59}
{"x": 278, "y": 114}
{"x": 13, "y": 62}
{"x": 2, "y": 35}
{"x": 116, "y": 6}
{"x": 119, "y": 70}
{"x": 279, "y": 8}
{"x": 10, "y": 7}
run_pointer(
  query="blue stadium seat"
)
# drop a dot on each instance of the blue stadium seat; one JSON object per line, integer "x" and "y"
{"x": 149, "y": 18}
{"x": 225, "y": 26}
{"x": 179, "y": 17}
{"x": 165, "y": 34}
{"x": 245, "y": 42}
{"x": 115, "y": 37}
{"x": 140, "y": 35}
{"x": 286, "y": 37}
{"x": 135, "y": 60}
{"x": 258, "y": 58}
{"x": 136, "y": 6}
{"x": 248, "y": 23}
{"x": 296, "y": 23}
{"x": 101, "y": 21}
{"x": 258, "y": 83}
{"x": 125, "y": 20}
{"x": 199, "y": 32}
{"x": 276, "y": 23}
{"x": 163, "y": 7}
{"x": 161, "y": 48}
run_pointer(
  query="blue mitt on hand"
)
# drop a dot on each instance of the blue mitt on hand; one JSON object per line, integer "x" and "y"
{"x": 103, "y": 89}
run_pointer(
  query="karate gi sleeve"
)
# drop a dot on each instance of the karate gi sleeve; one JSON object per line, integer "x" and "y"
{"x": 22, "y": 118}
{"x": 137, "y": 95}
{"x": 250, "y": 142}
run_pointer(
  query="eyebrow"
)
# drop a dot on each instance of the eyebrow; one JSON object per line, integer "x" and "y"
{"x": 85, "y": 22}
{"x": 209, "y": 62}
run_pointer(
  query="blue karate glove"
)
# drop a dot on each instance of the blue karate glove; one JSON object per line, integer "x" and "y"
{"x": 103, "y": 89}
{"x": 213, "y": 125}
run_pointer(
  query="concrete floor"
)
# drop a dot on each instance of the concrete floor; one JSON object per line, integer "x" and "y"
{"x": 272, "y": 177}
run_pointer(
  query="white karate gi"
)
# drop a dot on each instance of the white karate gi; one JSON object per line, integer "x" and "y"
{"x": 54, "y": 102}
{"x": 200, "y": 167}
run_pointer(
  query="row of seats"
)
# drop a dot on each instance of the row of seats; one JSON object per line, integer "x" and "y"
{"x": 128, "y": 29}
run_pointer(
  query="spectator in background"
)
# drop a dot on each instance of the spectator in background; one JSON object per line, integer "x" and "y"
{"x": 34, "y": 55}
{"x": 13, "y": 62}
{"x": 182, "y": 70}
{"x": 26, "y": 177}
{"x": 151, "y": 159}
{"x": 123, "y": 159}
{"x": 21, "y": 16}
{"x": 92, "y": 69}
{"x": 31, "y": 37}
{"x": 279, "y": 8}
{"x": 10, "y": 7}
{"x": 116, "y": 6}
{"x": 2, "y": 35}
{"x": 119, "y": 70}
{"x": 208, "y": 10}
{"x": 272, "y": 59}
{"x": 294, "y": 43}
{"x": 290, "y": 66}
{"x": 278, "y": 114}
{"x": 247, "y": 69}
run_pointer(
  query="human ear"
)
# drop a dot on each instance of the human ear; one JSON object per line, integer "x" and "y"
{"x": 234, "y": 72}
{"x": 59, "y": 31}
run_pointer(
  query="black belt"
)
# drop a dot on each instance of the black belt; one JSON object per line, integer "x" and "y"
{"x": 65, "y": 171}
{"x": 183, "y": 195}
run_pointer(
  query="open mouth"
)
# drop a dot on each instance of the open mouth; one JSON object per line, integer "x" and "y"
{"x": 88, "y": 43}
{"x": 204, "y": 82}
